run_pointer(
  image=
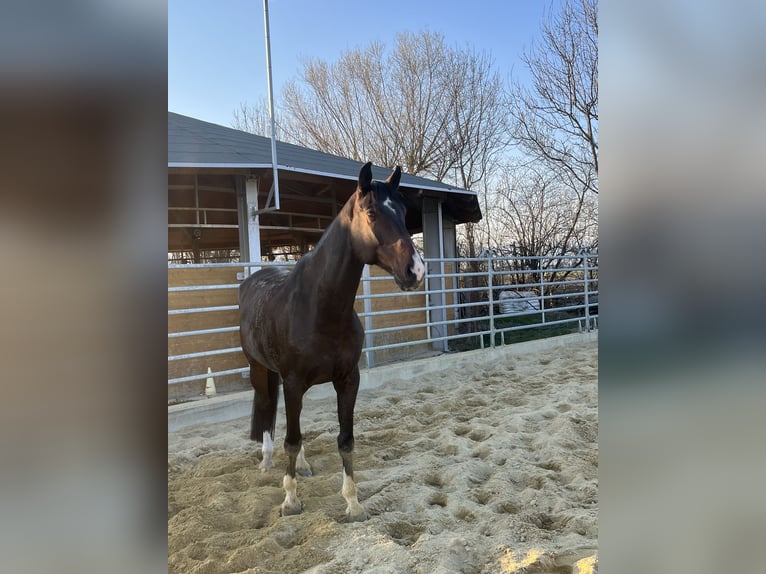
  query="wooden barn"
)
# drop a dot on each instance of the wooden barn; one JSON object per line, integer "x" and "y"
{"x": 222, "y": 208}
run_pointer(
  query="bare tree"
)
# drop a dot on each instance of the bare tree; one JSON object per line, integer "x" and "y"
{"x": 388, "y": 108}
{"x": 478, "y": 127}
{"x": 433, "y": 109}
{"x": 477, "y": 135}
{"x": 442, "y": 112}
{"x": 437, "y": 110}
{"x": 541, "y": 215}
{"x": 556, "y": 119}
{"x": 254, "y": 119}
{"x": 546, "y": 199}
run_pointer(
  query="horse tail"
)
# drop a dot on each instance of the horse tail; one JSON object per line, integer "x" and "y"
{"x": 264, "y": 405}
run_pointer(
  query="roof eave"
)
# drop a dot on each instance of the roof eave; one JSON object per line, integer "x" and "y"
{"x": 247, "y": 165}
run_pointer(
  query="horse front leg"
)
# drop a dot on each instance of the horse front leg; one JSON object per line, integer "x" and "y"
{"x": 293, "y": 392}
{"x": 346, "y": 390}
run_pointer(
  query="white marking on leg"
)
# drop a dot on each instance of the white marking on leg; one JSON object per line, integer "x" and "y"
{"x": 267, "y": 450}
{"x": 302, "y": 466}
{"x": 418, "y": 268}
{"x": 354, "y": 510}
{"x": 291, "y": 504}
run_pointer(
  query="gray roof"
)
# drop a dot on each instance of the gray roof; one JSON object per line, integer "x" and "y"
{"x": 194, "y": 143}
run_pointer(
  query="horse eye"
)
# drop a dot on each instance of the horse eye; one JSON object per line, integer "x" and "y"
{"x": 371, "y": 213}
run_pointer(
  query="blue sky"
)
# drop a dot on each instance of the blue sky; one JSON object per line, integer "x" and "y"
{"x": 216, "y": 52}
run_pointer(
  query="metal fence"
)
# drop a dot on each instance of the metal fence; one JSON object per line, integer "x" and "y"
{"x": 464, "y": 304}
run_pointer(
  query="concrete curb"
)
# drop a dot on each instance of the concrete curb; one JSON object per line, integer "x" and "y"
{"x": 236, "y": 405}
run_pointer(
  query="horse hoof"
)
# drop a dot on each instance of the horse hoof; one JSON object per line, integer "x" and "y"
{"x": 305, "y": 472}
{"x": 292, "y": 510}
{"x": 358, "y": 516}
{"x": 265, "y": 465}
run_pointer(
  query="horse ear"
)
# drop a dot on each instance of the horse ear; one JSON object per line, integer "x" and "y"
{"x": 365, "y": 177}
{"x": 396, "y": 175}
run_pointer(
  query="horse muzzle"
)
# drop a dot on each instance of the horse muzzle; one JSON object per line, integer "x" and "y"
{"x": 414, "y": 273}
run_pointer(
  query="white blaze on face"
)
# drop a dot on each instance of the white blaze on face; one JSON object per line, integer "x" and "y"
{"x": 418, "y": 268}
{"x": 387, "y": 203}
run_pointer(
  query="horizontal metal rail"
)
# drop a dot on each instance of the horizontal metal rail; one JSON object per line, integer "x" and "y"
{"x": 204, "y": 354}
{"x": 203, "y": 310}
{"x": 199, "y": 377}
{"x": 444, "y": 304}
{"x": 184, "y": 288}
{"x": 205, "y": 225}
{"x": 221, "y": 209}
{"x": 291, "y": 228}
{"x": 202, "y": 332}
{"x": 230, "y": 264}
{"x": 463, "y": 335}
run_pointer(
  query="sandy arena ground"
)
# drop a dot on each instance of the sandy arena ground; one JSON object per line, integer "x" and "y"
{"x": 480, "y": 469}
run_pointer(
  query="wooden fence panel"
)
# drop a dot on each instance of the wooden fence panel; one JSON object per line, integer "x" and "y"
{"x": 178, "y": 277}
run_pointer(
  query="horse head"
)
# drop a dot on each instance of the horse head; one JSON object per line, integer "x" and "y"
{"x": 380, "y": 234}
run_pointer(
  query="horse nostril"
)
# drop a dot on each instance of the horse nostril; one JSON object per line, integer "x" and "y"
{"x": 417, "y": 268}
{"x": 412, "y": 279}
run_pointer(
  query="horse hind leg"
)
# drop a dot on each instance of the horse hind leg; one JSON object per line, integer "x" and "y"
{"x": 293, "y": 446}
{"x": 302, "y": 466}
{"x": 346, "y": 391}
{"x": 264, "y": 414}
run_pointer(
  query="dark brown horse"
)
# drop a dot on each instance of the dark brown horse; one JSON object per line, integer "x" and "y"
{"x": 301, "y": 324}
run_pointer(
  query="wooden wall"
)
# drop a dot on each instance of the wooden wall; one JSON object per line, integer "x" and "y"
{"x": 203, "y": 320}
